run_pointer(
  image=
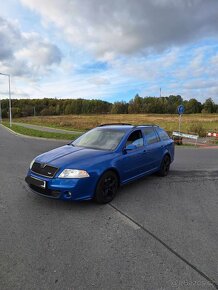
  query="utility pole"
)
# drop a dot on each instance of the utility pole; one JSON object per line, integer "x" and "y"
{"x": 160, "y": 92}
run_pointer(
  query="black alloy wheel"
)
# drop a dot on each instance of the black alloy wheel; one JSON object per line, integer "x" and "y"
{"x": 165, "y": 166}
{"x": 106, "y": 187}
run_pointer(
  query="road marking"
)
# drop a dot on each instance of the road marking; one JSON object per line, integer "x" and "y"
{"x": 213, "y": 283}
{"x": 127, "y": 221}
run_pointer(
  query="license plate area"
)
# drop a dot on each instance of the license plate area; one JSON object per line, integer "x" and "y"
{"x": 35, "y": 181}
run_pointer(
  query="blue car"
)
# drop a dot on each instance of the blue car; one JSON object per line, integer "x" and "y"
{"x": 98, "y": 162}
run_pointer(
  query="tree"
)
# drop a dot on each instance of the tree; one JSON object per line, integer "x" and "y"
{"x": 16, "y": 112}
{"x": 208, "y": 106}
{"x": 67, "y": 109}
{"x": 119, "y": 108}
{"x": 173, "y": 103}
{"x": 136, "y": 105}
{"x": 192, "y": 106}
{"x": 145, "y": 105}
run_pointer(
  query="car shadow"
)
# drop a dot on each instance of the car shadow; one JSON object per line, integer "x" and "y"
{"x": 131, "y": 187}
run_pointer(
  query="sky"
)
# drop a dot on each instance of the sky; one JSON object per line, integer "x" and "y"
{"x": 109, "y": 50}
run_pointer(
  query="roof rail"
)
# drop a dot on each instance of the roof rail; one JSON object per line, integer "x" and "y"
{"x": 116, "y": 124}
{"x": 153, "y": 125}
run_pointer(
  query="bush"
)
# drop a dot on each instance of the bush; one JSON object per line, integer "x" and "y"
{"x": 197, "y": 128}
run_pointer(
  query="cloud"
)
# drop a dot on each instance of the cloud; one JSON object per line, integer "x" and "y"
{"x": 9, "y": 37}
{"x": 200, "y": 84}
{"x": 111, "y": 49}
{"x": 110, "y": 28}
{"x": 175, "y": 71}
{"x": 25, "y": 54}
{"x": 38, "y": 51}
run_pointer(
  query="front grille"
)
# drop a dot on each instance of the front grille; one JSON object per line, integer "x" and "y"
{"x": 44, "y": 169}
{"x": 46, "y": 191}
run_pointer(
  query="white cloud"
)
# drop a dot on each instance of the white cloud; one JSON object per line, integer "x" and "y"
{"x": 213, "y": 65}
{"x": 143, "y": 75}
{"x": 145, "y": 45}
{"x": 25, "y": 54}
{"x": 108, "y": 28}
{"x": 38, "y": 54}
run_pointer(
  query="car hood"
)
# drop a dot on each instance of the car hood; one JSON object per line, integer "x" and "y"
{"x": 72, "y": 157}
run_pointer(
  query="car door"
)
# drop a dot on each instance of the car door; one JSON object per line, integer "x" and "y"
{"x": 131, "y": 162}
{"x": 167, "y": 142}
{"x": 153, "y": 149}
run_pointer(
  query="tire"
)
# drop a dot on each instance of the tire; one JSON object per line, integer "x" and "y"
{"x": 106, "y": 188}
{"x": 165, "y": 166}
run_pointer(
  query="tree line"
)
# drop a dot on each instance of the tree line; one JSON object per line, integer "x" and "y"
{"x": 137, "y": 105}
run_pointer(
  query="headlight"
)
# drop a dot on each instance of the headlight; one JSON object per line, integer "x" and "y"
{"x": 31, "y": 164}
{"x": 73, "y": 173}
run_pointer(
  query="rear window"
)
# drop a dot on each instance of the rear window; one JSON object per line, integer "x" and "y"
{"x": 151, "y": 136}
{"x": 163, "y": 134}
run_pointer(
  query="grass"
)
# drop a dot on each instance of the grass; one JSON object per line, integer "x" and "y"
{"x": 41, "y": 134}
{"x": 84, "y": 122}
{"x": 209, "y": 122}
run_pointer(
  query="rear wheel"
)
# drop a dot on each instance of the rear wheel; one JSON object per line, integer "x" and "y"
{"x": 165, "y": 166}
{"x": 107, "y": 187}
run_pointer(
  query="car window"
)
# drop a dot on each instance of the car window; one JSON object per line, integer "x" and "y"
{"x": 100, "y": 138}
{"x": 135, "y": 138}
{"x": 151, "y": 136}
{"x": 163, "y": 134}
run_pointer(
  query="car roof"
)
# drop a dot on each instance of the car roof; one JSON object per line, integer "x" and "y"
{"x": 124, "y": 126}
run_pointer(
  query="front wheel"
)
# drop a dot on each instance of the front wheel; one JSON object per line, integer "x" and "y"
{"x": 107, "y": 187}
{"x": 165, "y": 166}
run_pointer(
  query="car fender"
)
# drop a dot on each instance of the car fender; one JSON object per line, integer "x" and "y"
{"x": 167, "y": 152}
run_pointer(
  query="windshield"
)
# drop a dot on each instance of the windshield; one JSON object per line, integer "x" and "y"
{"x": 104, "y": 139}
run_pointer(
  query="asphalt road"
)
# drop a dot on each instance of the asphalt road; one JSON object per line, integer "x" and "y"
{"x": 159, "y": 233}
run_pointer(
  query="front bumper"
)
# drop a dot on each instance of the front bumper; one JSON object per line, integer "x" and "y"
{"x": 65, "y": 189}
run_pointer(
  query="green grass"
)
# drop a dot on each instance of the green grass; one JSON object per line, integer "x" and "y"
{"x": 215, "y": 142}
{"x": 48, "y": 125}
{"x": 187, "y": 145}
{"x": 59, "y": 136}
{"x": 41, "y": 134}
{"x": 193, "y": 123}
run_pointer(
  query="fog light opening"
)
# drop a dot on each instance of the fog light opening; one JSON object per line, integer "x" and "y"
{"x": 68, "y": 194}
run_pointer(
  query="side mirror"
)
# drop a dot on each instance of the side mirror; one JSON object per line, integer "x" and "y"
{"x": 131, "y": 147}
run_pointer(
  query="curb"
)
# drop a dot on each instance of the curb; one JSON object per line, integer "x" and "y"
{"x": 32, "y": 137}
{"x": 210, "y": 147}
